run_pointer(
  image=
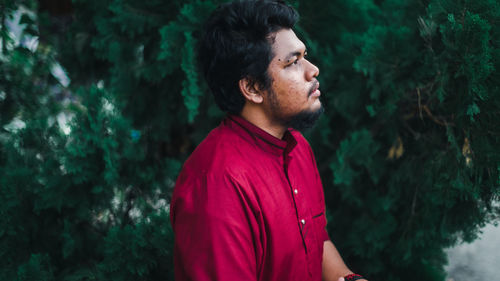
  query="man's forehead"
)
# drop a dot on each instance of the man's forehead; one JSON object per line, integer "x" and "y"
{"x": 286, "y": 42}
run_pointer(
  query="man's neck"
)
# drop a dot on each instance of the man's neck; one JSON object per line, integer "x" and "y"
{"x": 259, "y": 118}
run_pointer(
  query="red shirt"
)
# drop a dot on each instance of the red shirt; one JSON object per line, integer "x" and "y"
{"x": 249, "y": 206}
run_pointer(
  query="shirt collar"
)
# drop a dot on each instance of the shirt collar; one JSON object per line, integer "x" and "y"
{"x": 262, "y": 138}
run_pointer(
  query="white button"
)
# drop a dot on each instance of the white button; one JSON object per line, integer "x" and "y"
{"x": 303, "y": 221}
{"x": 295, "y": 191}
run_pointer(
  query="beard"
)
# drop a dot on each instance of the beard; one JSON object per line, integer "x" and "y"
{"x": 304, "y": 120}
{"x": 300, "y": 121}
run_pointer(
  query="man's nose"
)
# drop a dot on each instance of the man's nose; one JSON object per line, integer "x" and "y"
{"x": 312, "y": 71}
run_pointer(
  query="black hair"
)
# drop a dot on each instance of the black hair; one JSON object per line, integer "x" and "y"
{"x": 236, "y": 43}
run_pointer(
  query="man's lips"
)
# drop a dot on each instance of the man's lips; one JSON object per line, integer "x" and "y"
{"x": 314, "y": 91}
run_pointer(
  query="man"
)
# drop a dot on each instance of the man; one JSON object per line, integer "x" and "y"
{"x": 249, "y": 204}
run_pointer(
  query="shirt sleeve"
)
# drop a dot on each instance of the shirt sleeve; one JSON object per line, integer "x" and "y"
{"x": 214, "y": 231}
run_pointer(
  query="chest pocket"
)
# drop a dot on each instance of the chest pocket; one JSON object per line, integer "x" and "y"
{"x": 318, "y": 225}
{"x": 314, "y": 236}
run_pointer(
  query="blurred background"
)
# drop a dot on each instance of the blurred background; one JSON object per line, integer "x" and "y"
{"x": 101, "y": 102}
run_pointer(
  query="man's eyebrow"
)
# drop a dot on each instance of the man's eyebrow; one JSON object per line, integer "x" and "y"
{"x": 294, "y": 54}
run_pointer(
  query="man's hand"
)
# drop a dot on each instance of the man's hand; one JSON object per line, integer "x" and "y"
{"x": 333, "y": 265}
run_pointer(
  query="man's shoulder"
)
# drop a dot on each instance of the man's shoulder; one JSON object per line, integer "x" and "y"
{"x": 222, "y": 150}
{"x": 217, "y": 167}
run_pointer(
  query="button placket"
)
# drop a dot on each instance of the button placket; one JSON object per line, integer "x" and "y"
{"x": 295, "y": 191}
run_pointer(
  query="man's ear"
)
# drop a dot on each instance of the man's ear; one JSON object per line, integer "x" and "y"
{"x": 250, "y": 90}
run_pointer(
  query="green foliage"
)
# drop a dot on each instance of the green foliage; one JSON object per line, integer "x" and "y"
{"x": 414, "y": 165}
{"x": 37, "y": 268}
{"x": 408, "y": 149}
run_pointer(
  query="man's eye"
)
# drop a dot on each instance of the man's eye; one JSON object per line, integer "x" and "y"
{"x": 294, "y": 62}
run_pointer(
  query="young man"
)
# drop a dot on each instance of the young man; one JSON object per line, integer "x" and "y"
{"x": 249, "y": 204}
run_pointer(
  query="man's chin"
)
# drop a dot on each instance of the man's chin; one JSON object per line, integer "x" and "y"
{"x": 305, "y": 120}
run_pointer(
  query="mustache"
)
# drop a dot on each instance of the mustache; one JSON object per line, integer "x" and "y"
{"x": 314, "y": 86}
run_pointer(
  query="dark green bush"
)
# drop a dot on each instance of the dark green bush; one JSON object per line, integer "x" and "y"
{"x": 409, "y": 147}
